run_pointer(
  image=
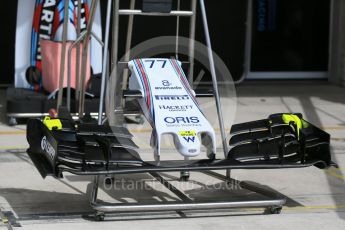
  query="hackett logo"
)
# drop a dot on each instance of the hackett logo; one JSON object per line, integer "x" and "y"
{"x": 177, "y": 107}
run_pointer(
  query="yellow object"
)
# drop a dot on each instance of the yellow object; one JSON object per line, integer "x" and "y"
{"x": 187, "y": 133}
{"x": 287, "y": 118}
{"x": 52, "y": 124}
{"x": 5, "y": 220}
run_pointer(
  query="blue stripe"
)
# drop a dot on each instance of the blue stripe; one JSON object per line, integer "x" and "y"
{"x": 141, "y": 79}
{"x": 34, "y": 48}
{"x": 34, "y": 39}
{"x": 71, "y": 5}
{"x": 144, "y": 86}
{"x": 179, "y": 77}
{"x": 61, "y": 6}
{"x": 148, "y": 81}
{"x": 62, "y": 15}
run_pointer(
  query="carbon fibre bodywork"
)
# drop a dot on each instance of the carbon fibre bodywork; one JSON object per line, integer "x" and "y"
{"x": 87, "y": 149}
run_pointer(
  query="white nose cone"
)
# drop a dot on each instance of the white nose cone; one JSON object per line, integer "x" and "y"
{"x": 187, "y": 145}
{"x": 169, "y": 104}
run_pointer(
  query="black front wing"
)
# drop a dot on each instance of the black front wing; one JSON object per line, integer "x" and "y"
{"x": 88, "y": 149}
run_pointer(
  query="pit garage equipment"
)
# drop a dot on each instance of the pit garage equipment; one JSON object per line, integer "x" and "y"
{"x": 60, "y": 145}
{"x": 65, "y": 28}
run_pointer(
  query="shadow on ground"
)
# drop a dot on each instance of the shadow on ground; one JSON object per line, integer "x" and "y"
{"x": 304, "y": 92}
{"x": 33, "y": 204}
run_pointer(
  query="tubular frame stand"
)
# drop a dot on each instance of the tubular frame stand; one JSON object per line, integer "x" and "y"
{"x": 114, "y": 99}
{"x": 128, "y": 43}
{"x": 84, "y": 57}
{"x": 63, "y": 53}
{"x": 82, "y": 38}
{"x": 272, "y": 204}
{"x": 119, "y": 79}
{"x": 105, "y": 63}
{"x": 192, "y": 41}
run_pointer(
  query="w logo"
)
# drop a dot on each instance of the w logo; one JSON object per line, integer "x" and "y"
{"x": 189, "y": 139}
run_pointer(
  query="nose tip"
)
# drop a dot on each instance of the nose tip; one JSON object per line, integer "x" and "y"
{"x": 188, "y": 146}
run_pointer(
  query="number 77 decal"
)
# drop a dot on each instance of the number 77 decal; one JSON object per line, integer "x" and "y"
{"x": 154, "y": 61}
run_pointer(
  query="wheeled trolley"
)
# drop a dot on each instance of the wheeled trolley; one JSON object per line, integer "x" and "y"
{"x": 60, "y": 145}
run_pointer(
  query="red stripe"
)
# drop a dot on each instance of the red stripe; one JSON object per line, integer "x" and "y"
{"x": 56, "y": 22}
{"x": 175, "y": 64}
{"x": 37, "y": 18}
{"x": 148, "y": 101}
{"x": 75, "y": 23}
{"x": 86, "y": 12}
{"x": 39, "y": 65}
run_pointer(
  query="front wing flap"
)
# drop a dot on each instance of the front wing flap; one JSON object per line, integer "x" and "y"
{"x": 284, "y": 138}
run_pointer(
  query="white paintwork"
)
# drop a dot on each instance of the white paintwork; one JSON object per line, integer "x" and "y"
{"x": 25, "y": 13}
{"x": 96, "y": 53}
{"x": 170, "y": 106}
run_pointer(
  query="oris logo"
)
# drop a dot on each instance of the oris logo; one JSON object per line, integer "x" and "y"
{"x": 47, "y": 147}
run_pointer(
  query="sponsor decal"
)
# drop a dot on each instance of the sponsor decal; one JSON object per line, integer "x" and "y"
{"x": 189, "y": 139}
{"x": 181, "y": 120}
{"x": 267, "y": 15}
{"x": 84, "y": 11}
{"x": 262, "y": 15}
{"x": 174, "y": 108}
{"x": 47, "y": 147}
{"x": 187, "y": 133}
{"x": 192, "y": 150}
{"x": 166, "y": 85}
{"x": 49, "y": 17}
{"x": 43, "y": 26}
{"x": 188, "y": 136}
{"x": 172, "y": 97}
{"x": 168, "y": 88}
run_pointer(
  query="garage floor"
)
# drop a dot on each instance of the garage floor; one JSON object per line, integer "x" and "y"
{"x": 316, "y": 199}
